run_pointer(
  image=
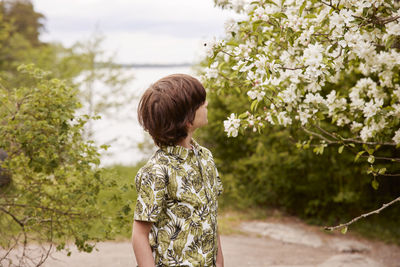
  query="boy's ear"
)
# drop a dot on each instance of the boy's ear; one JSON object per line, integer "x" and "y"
{"x": 189, "y": 125}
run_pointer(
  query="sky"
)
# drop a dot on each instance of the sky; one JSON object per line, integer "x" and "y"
{"x": 138, "y": 31}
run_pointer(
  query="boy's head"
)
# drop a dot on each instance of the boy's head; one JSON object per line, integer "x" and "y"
{"x": 169, "y": 106}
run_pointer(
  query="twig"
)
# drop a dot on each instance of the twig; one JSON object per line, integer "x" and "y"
{"x": 297, "y": 68}
{"x": 41, "y": 207}
{"x": 384, "y": 206}
{"x": 319, "y": 136}
{"x": 12, "y": 216}
{"x": 383, "y": 158}
{"x": 330, "y": 5}
{"x": 43, "y": 258}
{"x": 387, "y": 174}
{"x": 340, "y": 53}
{"x": 388, "y": 20}
{"x": 335, "y": 136}
{"x": 377, "y": 20}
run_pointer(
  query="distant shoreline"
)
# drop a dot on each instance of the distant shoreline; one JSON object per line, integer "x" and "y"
{"x": 151, "y": 65}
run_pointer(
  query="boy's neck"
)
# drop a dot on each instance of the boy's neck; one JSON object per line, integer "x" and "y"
{"x": 186, "y": 142}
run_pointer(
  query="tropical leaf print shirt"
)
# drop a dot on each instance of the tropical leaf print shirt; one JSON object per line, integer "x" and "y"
{"x": 177, "y": 191}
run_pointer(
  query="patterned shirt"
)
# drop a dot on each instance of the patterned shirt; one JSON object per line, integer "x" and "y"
{"x": 177, "y": 191}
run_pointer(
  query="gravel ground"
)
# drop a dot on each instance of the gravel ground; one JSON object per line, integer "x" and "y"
{"x": 263, "y": 244}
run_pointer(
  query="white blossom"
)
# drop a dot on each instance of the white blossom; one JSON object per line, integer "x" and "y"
{"x": 232, "y": 125}
{"x": 289, "y": 95}
{"x": 396, "y": 92}
{"x": 355, "y": 126}
{"x": 300, "y": 74}
{"x": 396, "y": 137}
{"x": 284, "y": 119}
{"x": 254, "y": 94}
{"x": 314, "y": 99}
{"x": 393, "y": 28}
{"x": 210, "y": 46}
{"x": 371, "y": 108}
{"x": 313, "y": 55}
{"x": 238, "y": 5}
{"x": 366, "y": 133}
{"x": 342, "y": 120}
{"x": 212, "y": 71}
{"x": 231, "y": 26}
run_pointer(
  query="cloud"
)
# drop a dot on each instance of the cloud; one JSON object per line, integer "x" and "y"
{"x": 150, "y": 48}
{"x": 139, "y": 30}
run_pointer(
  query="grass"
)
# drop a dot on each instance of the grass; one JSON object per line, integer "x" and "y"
{"x": 229, "y": 219}
{"x": 383, "y": 227}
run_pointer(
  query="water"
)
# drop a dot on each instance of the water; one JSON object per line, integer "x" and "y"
{"x": 121, "y": 130}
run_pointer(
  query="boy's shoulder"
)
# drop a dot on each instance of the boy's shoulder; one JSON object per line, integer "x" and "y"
{"x": 207, "y": 154}
{"x": 157, "y": 159}
{"x": 164, "y": 159}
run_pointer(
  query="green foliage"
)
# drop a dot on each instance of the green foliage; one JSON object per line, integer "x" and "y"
{"x": 117, "y": 202}
{"x": 24, "y": 19}
{"x": 53, "y": 195}
{"x": 19, "y": 44}
{"x": 57, "y": 192}
{"x": 268, "y": 170}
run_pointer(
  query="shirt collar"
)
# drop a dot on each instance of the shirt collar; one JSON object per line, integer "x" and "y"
{"x": 180, "y": 151}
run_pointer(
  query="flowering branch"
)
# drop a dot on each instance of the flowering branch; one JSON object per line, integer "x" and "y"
{"x": 314, "y": 63}
{"x": 345, "y": 225}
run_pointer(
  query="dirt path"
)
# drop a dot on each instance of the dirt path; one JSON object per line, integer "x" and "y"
{"x": 264, "y": 243}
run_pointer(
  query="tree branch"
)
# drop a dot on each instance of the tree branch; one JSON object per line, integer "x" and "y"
{"x": 13, "y": 216}
{"x": 377, "y": 20}
{"x": 319, "y": 136}
{"x": 297, "y": 68}
{"x": 338, "y": 137}
{"x": 41, "y": 207}
{"x": 387, "y": 174}
{"x": 343, "y": 225}
{"x": 383, "y": 158}
{"x": 330, "y": 5}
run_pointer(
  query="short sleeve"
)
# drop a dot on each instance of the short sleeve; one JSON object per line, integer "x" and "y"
{"x": 220, "y": 187}
{"x": 151, "y": 188}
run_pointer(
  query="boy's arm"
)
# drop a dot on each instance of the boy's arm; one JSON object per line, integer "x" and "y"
{"x": 141, "y": 244}
{"x": 220, "y": 256}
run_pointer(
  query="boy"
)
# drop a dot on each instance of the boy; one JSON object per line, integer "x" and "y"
{"x": 175, "y": 222}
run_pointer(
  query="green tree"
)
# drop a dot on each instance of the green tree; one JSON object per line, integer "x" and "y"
{"x": 52, "y": 197}
{"x": 24, "y": 19}
{"x": 102, "y": 82}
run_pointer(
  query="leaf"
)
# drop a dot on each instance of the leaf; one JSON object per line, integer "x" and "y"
{"x": 371, "y": 159}
{"x": 344, "y": 230}
{"x": 358, "y": 155}
{"x": 319, "y": 150}
{"x": 302, "y": 7}
{"x": 340, "y": 150}
{"x": 389, "y": 42}
{"x": 243, "y": 115}
{"x": 280, "y": 15}
{"x": 382, "y": 171}
{"x": 254, "y": 105}
{"x": 375, "y": 184}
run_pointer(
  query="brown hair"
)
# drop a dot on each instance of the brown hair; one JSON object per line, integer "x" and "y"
{"x": 168, "y": 105}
